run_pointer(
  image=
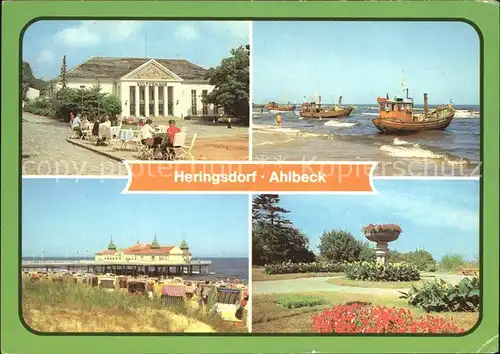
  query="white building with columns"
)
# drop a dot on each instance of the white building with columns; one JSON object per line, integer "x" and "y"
{"x": 146, "y": 87}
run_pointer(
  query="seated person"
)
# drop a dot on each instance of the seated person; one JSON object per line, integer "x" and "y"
{"x": 85, "y": 125}
{"x": 169, "y": 143}
{"x": 95, "y": 129}
{"x": 76, "y": 125}
{"x": 147, "y": 131}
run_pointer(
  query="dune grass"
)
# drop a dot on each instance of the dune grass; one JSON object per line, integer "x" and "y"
{"x": 68, "y": 307}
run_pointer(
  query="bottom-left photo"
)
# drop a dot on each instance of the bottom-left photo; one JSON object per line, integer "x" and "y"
{"x": 96, "y": 260}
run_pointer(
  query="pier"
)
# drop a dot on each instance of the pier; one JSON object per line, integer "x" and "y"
{"x": 121, "y": 268}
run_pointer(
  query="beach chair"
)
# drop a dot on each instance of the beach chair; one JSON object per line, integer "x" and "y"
{"x": 182, "y": 151}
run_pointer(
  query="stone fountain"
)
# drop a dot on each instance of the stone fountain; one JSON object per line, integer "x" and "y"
{"x": 382, "y": 235}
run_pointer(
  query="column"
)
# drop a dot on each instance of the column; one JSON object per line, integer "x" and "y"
{"x": 146, "y": 101}
{"x": 125, "y": 99}
{"x": 156, "y": 101}
{"x": 165, "y": 100}
{"x": 137, "y": 99}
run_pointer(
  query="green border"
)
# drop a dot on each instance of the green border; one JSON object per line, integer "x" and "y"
{"x": 15, "y": 16}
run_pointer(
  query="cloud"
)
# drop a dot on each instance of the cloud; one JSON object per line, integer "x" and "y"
{"x": 92, "y": 33}
{"x": 430, "y": 211}
{"x": 239, "y": 30}
{"x": 186, "y": 32}
{"x": 46, "y": 56}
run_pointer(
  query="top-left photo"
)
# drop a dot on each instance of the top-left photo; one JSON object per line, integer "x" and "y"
{"x": 97, "y": 93}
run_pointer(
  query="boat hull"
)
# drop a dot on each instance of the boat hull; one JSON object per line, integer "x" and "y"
{"x": 395, "y": 126}
{"x": 341, "y": 113}
{"x": 281, "y": 108}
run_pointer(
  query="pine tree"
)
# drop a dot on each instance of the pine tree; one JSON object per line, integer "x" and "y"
{"x": 64, "y": 82}
{"x": 275, "y": 239}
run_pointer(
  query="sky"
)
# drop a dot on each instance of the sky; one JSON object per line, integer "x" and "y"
{"x": 204, "y": 43}
{"x": 81, "y": 215}
{"x": 439, "y": 216}
{"x": 364, "y": 60}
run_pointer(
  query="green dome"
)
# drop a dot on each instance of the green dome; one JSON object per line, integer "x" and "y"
{"x": 184, "y": 245}
{"x": 111, "y": 245}
{"x": 155, "y": 243}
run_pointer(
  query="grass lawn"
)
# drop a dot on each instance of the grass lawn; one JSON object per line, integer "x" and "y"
{"x": 269, "y": 317}
{"x": 259, "y": 275}
{"x": 377, "y": 284}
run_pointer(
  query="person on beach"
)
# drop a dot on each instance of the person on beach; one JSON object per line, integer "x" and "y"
{"x": 278, "y": 120}
{"x": 229, "y": 126}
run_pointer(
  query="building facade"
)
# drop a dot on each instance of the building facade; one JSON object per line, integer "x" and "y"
{"x": 146, "y": 87}
{"x": 145, "y": 253}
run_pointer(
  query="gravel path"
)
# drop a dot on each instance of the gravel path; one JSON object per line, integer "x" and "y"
{"x": 46, "y": 152}
{"x": 320, "y": 285}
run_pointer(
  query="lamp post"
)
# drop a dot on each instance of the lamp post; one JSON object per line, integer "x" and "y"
{"x": 82, "y": 87}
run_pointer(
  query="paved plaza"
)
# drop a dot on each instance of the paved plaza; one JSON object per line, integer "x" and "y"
{"x": 46, "y": 151}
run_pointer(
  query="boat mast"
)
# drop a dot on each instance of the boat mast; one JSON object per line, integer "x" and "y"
{"x": 402, "y": 83}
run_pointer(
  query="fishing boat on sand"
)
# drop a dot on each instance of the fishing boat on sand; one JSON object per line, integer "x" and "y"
{"x": 398, "y": 116}
{"x": 273, "y": 106}
{"x": 314, "y": 110}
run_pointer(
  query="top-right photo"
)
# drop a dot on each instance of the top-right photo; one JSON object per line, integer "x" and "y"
{"x": 405, "y": 94}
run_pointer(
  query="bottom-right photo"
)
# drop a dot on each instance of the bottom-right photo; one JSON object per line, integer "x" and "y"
{"x": 402, "y": 260}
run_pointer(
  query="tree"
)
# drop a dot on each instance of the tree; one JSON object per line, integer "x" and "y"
{"x": 339, "y": 246}
{"x": 232, "y": 83}
{"x": 111, "y": 105}
{"x": 274, "y": 237}
{"x": 367, "y": 252}
{"x": 27, "y": 78}
{"x": 421, "y": 259}
{"x": 64, "y": 81}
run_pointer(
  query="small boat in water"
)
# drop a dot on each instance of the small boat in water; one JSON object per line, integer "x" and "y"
{"x": 314, "y": 110}
{"x": 273, "y": 106}
{"x": 398, "y": 116}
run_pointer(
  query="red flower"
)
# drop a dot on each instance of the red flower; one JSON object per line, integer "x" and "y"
{"x": 357, "y": 318}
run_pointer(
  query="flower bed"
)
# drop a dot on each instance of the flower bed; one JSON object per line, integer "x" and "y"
{"x": 442, "y": 296}
{"x": 372, "y": 271}
{"x": 314, "y": 267}
{"x": 356, "y": 318}
{"x": 374, "y": 228}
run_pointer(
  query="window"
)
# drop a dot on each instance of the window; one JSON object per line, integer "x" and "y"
{"x": 152, "y": 258}
{"x": 131, "y": 100}
{"x": 216, "y": 110}
{"x": 193, "y": 103}
{"x": 161, "y": 104}
{"x": 204, "y": 94}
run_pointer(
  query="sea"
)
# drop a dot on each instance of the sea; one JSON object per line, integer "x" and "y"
{"x": 450, "y": 152}
{"x": 234, "y": 268}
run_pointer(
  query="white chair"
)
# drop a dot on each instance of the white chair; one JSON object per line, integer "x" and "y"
{"x": 183, "y": 152}
{"x": 163, "y": 128}
{"x": 109, "y": 134}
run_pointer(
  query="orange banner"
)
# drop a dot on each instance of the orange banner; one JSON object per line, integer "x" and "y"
{"x": 250, "y": 177}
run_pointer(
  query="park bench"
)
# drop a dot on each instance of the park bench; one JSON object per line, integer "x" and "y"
{"x": 470, "y": 271}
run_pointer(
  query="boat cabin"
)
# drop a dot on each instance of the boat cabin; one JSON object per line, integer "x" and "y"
{"x": 397, "y": 108}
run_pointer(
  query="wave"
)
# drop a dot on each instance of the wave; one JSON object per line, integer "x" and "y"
{"x": 406, "y": 149}
{"x": 460, "y": 113}
{"x": 369, "y": 114}
{"x": 334, "y": 123}
{"x": 274, "y": 128}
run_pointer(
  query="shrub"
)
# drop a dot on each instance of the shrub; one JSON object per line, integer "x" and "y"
{"x": 422, "y": 260}
{"x": 372, "y": 271}
{"x": 296, "y": 301}
{"x": 339, "y": 246}
{"x": 313, "y": 267}
{"x": 452, "y": 262}
{"x": 41, "y": 106}
{"x": 358, "y": 318}
{"x": 438, "y": 295}
{"x": 373, "y": 228}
